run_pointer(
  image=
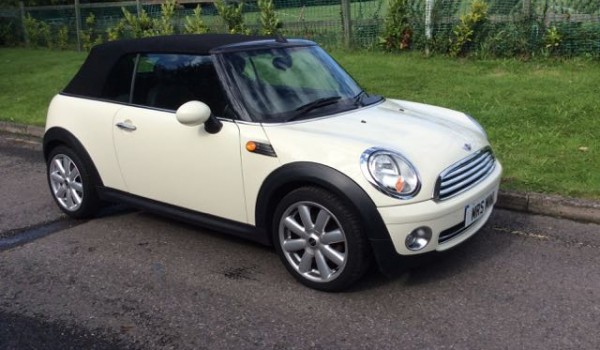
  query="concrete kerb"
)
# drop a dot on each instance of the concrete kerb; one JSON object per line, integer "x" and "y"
{"x": 535, "y": 203}
{"x": 20, "y": 129}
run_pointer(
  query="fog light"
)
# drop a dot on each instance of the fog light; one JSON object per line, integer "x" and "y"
{"x": 418, "y": 238}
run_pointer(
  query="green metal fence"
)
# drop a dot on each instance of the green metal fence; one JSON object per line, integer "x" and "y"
{"x": 513, "y": 27}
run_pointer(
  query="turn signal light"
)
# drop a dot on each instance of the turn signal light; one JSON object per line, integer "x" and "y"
{"x": 251, "y": 146}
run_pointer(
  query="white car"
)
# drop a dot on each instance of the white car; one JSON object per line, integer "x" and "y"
{"x": 271, "y": 140}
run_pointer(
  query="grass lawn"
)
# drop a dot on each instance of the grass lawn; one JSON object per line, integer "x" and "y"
{"x": 543, "y": 118}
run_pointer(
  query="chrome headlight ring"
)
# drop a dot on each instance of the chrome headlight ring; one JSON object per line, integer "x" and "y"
{"x": 390, "y": 173}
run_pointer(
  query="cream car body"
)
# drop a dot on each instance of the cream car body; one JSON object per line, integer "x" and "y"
{"x": 168, "y": 161}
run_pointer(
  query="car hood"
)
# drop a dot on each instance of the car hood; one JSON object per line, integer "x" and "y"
{"x": 431, "y": 138}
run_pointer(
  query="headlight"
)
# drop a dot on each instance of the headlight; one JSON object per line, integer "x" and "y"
{"x": 390, "y": 173}
{"x": 477, "y": 125}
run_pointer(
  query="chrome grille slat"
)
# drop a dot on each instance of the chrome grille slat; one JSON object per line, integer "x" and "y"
{"x": 467, "y": 182}
{"x": 486, "y": 162}
{"x": 465, "y": 174}
{"x": 465, "y": 166}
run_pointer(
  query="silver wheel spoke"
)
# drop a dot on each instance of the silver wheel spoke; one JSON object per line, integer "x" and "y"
{"x": 322, "y": 221}
{"x": 331, "y": 237}
{"x": 60, "y": 167}
{"x": 306, "y": 262}
{"x": 333, "y": 255}
{"x": 69, "y": 199}
{"x": 77, "y": 187}
{"x": 73, "y": 174}
{"x": 294, "y": 245}
{"x": 56, "y": 177}
{"x": 75, "y": 197}
{"x": 304, "y": 212}
{"x": 293, "y": 226}
{"x": 61, "y": 192}
{"x": 66, "y": 165}
{"x": 324, "y": 269}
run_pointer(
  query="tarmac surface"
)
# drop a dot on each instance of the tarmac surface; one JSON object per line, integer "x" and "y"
{"x": 131, "y": 280}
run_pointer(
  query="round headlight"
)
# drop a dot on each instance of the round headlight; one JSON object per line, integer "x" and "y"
{"x": 390, "y": 173}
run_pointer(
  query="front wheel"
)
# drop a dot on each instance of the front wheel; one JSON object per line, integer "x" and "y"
{"x": 319, "y": 239}
{"x": 71, "y": 184}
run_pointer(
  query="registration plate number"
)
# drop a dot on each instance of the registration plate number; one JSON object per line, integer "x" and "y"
{"x": 475, "y": 210}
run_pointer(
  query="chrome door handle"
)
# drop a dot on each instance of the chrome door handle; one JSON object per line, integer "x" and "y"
{"x": 126, "y": 126}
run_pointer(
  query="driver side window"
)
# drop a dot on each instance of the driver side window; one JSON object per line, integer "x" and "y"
{"x": 166, "y": 81}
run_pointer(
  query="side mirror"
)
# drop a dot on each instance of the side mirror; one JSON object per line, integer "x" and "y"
{"x": 194, "y": 113}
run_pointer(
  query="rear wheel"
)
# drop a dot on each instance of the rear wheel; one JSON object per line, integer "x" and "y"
{"x": 319, "y": 239}
{"x": 71, "y": 184}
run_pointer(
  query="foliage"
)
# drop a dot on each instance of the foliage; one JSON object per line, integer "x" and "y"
{"x": 508, "y": 40}
{"x": 32, "y": 30}
{"x": 467, "y": 27}
{"x": 163, "y": 25}
{"x": 194, "y": 23}
{"x": 89, "y": 37}
{"x": 397, "y": 32}
{"x": 116, "y": 32}
{"x": 552, "y": 40}
{"x": 62, "y": 37}
{"x": 7, "y": 33}
{"x": 233, "y": 16}
{"x": 142, "y": 25}
{"x": 137, "y": 26}
{"x": 45, "y": 34}
{"x": 269, "y": 22}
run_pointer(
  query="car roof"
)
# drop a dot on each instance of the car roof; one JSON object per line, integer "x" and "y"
{"x": 91, "y": 78}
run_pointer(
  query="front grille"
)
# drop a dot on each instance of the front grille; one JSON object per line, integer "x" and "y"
{"x": 465, "y": 174}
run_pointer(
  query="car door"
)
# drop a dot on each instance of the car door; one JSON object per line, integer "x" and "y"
{"x": 164, "y": 160}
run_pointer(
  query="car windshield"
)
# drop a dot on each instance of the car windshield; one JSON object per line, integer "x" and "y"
{"x": 284, "y": 84}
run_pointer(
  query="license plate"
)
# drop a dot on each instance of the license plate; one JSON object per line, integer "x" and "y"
{"x": 475, "y": 210}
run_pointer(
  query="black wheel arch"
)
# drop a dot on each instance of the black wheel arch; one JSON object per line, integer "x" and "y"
{"x": 298, "y": 174}
{"x": 57, "y": 136}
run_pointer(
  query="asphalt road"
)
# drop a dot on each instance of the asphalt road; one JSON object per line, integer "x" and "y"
{"x": 131, "y": 280}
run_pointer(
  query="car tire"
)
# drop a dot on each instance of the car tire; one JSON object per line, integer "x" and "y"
{"x": 320, "y": 239}
{"x": 71, "y": 185}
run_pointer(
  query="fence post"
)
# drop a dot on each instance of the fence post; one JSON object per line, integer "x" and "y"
{"x": 138, "y": 7}
{"x": 527, "y": 8}
{"x": 428, "y": 14}
{"x": 78, "y": 24}
{"x": 347, "y": 23}
{"x": 22, "y": 10}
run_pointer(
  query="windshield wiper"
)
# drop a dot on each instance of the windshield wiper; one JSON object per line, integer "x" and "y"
{"x": 318, "y": 103}
{"x": 359, "y": 97}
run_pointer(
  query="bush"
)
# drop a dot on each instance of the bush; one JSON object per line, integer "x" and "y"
{"x": 32, "y": 30}
{"x": 397, "y": 32}
{"x": 7, "y": 32}
{"x": 269, "y": 22}
{"x": 194, "y": 24}
{"x": 89, "y": 37}
{"x": 62, "y": 37}
{"x": 468, "y": 27}
{"x": 233, "y": 17}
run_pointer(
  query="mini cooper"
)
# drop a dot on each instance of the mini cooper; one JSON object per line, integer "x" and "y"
{"x": 271, "y": 140}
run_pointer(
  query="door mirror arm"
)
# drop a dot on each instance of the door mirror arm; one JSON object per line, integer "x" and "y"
{"x": 213, "y": 125}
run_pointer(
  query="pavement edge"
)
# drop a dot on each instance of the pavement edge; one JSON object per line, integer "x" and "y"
{"x": 535, "y": 203}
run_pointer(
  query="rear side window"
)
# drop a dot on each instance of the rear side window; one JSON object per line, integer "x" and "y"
{"x": 118, "y": 81}
{"x": 167, "y": 81}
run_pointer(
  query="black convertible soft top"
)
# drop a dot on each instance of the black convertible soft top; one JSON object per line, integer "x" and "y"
{"x": 91, "y": 77}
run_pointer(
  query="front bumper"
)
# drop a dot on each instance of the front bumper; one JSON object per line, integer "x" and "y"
{"x": 440, "y": 216}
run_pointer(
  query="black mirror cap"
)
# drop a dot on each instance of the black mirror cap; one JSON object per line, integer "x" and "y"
{"x": 213, "y": 125}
